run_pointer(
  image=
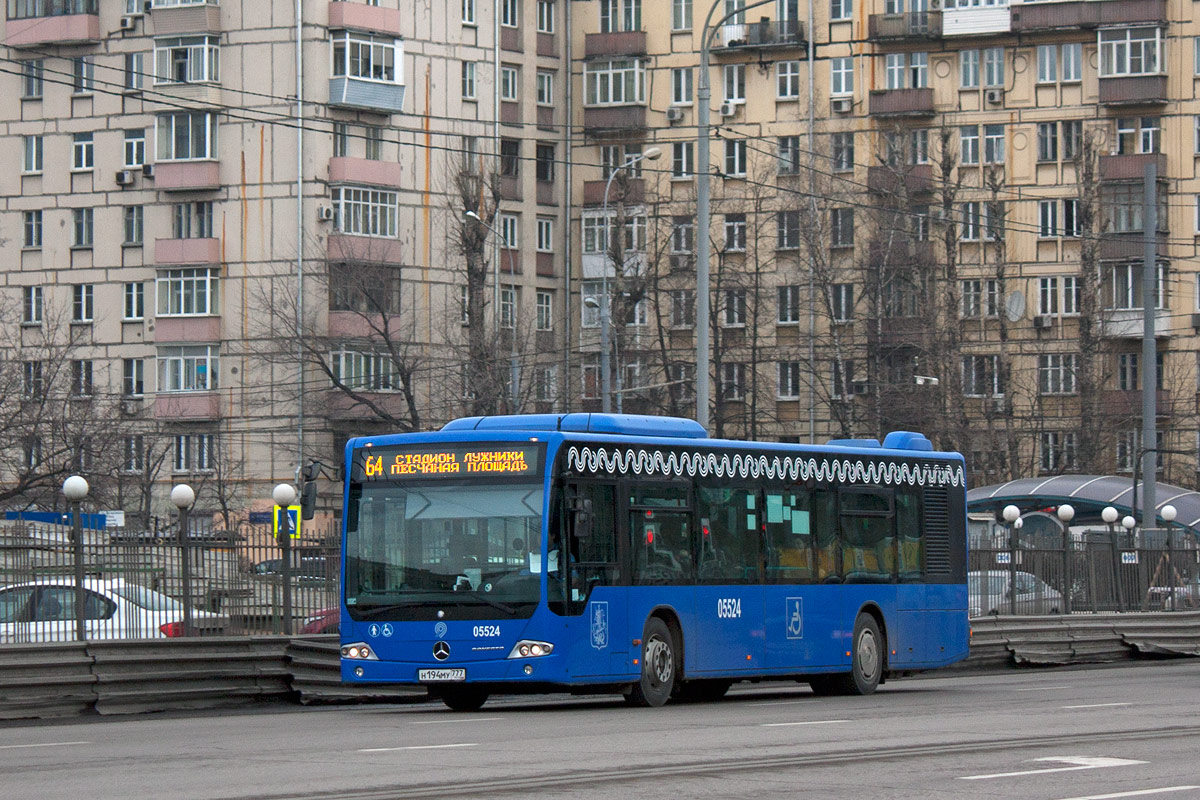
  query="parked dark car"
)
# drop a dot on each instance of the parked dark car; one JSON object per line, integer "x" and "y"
{"x": 304, "y": 567}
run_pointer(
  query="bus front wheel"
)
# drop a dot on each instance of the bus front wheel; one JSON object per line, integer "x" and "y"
{"x": 660, "y": 666}
{"x": 464, "y": 698}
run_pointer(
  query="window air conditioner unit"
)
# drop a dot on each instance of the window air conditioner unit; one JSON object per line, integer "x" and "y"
{"x": 325, "y": 213}
{"x": 128, "y": 23}
{"x": 124, "y": 177}
{"x": 997, "y": 405}
{"x": 147, "y": 170}
{"x": 1043, "y": 322}
{"x": 995, "y": 96}
{"x": 935, "y": 5}
{"x": 841, "y": 105}
{"x": 1196, "y": 320}
{"x": 728, "y": 109}
{"x": 861, "y": 387}
{"x": 674, "y": 114}
{"x": 130, "y": 408}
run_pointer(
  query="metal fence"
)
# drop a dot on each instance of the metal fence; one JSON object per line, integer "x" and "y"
{"x": 1097, "y": 571}
{"x": 139, "y": 584}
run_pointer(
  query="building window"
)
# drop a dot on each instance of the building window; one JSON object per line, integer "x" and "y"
{"x": 1047, "y": 296}
{"x": 980, "y": 297}
{"x": 620, "y": 15}
{"x": 735, "y": 233}
{"x": 193, "y": 453}
{"x": 841, "y": 76}
{"x": 789, "y": 155}
{"x": 735, "y": 158}
{"x": 509, "y": 225}
{"x": 32, "y": 229}
{"x": 373, "y": 135}
{"x": 192, "y": 220}
{"x": 189, "y": 292}
{"x": 544, "y": 161}
{"x": 135, "y": 301}
{"x": 981, "y": 377}
{"x": 365, "y": 212}
{"x": 614, "y": 83}
{"x": 841, "y": 297}
{"x": 968, "y": 144}
{"x": 1056, "y": 373}
{"x": 787, "y": 80}
{"x": 789, "y": 380}
{"x": 364, "y": 371}
{"x": 842, "y": 151}
{"x": 365, "y": 57}
{"x": 188, "y": 59}
{"x": 32, "y": 80}
{"x": 1072, "y": 62}
{"x": 1047, "y": 138}
{"x": 735, "y": 83}
{"x": 468, "y": 80}
{"x": 83, "y": 302}
{"x": 135, "y": 148}
{"x": 1127, "y": 372}
{"x": 187, "y": 136}
{"x": 787, "y": 229}
{"x": 509, "y": 13}
{"x": 841, "y": 378}
{"x": 993, "y": 144}
{"x": 31, "y": 306}
{"x": 841, "y": 225}
{"x": 510, "y": 84}
{"x": 468, "y": 12}
{"x": 683, "y": 235}
{"x": 545, "y": 310}
{"x": 32, "y": 382}
{"x": 1057, "y": 451}
{"x": 133, "y": 377}
{"x": 734, "y": 308}
{"x": 508, "y": 306}
{"x": 681, "y": 86}
{"x": 191, "y": 368}
{"x": 1047, "y": 219}
{"x": 993, "y": 67}
{"x": 968, "y": 69}
{"x": 683, "y": 308}
{"x": 841, "y": 9}
{"x": 1130, "y": 51}
{"x": 1072, "y": 295}
{"x": 545, "y": 16}
{"x": 85, "y": 226}
{"x": 1047, "y": 63}
{"x": 134, "y": 448}
{"x": 681, "y": 15}
{"x": 134, "y": 70}
{"x": 789, "y": 304}
{"x": 81, "y": 378}
{"x": 83, "y": 69}
{"x": 1123, "y": 286}
{"x": 733, "y": 381}
{"x": 134, "y": 218}
{"x": 83, "y": 151}
{"x": 34, "y": 153}
{"x": 545, "y": 234}
{"x": 545, "y": 88}
{"x": 683, "y": 159}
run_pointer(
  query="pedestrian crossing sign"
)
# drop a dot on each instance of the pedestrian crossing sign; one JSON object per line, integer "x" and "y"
{"x": 287, "y": 519}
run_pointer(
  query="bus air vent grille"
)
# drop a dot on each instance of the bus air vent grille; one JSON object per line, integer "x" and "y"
{"x": 937, "y": 532}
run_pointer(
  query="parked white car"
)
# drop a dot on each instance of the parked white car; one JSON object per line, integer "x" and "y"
{"x": 990, "y": 592}
{"x": 44, "y": 611}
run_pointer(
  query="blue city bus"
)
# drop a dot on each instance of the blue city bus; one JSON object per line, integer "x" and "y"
{"x": 630, "y": 554}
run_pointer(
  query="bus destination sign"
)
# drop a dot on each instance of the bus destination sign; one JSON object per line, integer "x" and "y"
{"x": 446, "y": 461}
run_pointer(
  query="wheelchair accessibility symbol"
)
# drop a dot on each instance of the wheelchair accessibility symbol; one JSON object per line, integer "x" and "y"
{"x": 794, "y": 617}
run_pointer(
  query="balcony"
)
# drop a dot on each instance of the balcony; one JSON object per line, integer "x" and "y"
{"x": 902, "y": 102}
{"x": 187, "y": 251}
{"x": 1127, "y": 246}
{"x": 369, "y": 249}
{"x": 187, "y": 406}
{"x": 353, "y": 325}
{"x": 911, "y": 26}
{"x": 57, "y": 22}
{"x": 1127, "y": 323}
{"x": 366, "y": 171}
{"x": 341, "y": 406}
{"x": 363, "y": 94}
{"x": 1133, "y": 90}
{"x": 761, "y": 34}
{"x": 627, "y": 43}
{"x": 1131, "y": 167}
{"x": 187, "y": 176}
{"x": 593, "y": 192}
{"x": 976, "y": 21}
{"x": 182, "y": 20}
{"x": 1133, "y": 12}
{"x": 187, "y": 329}
{"x": 362, "y": 17}
{"x": 897, "y": 332}
{"x": 1128, "y": 402}
{"x": 901, "y": 252}
{"x": 613, "y": 119}
{"x": 901, "y": 181}
{"x": 1029, "y": 17}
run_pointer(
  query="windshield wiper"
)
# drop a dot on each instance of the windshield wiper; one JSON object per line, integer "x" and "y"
{"x": 505, "y": 607}
{"x": 367, "y": 612}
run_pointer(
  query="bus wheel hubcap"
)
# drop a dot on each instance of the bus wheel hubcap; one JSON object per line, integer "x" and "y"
{"x": 868, "y": 655}
{"x": 658, "y": 660}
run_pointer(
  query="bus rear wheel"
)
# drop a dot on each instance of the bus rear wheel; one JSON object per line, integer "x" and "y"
{"x": 463, "y": 698}
{"x": 867, "y": 657}
{"x": 660, "y": 666}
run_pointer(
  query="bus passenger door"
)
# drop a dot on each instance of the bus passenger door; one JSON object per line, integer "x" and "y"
{"x": 584, "y": 582}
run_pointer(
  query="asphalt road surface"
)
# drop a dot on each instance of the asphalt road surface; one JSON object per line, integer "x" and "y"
{"x": 1105, "y": 732}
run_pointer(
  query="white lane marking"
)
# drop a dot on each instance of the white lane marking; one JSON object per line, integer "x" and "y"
{"x": 1078, "y": 762}
{"x": 1042, "y": 689}
{"x": 1138, "y": 793}
{"x": 781, "y": 703}
{"x": 811, "y": 722}
{"x": 418, "y": 747}
{"x": 1099, "y": 705}
{"x": 450, "y": 721}
{"x": 41, "y": 744}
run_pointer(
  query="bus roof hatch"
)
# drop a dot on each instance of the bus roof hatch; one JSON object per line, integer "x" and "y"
{"x": 618, "y": 424}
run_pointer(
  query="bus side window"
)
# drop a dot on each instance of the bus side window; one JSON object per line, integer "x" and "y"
{"x": 729, "y": 540}
{"x": 591, "y": 561}
{"x": 910, "y": 542}
{"x": 868, "y": 538}
{"x": 825, "y": 532}
{"x": 787, "y": 524}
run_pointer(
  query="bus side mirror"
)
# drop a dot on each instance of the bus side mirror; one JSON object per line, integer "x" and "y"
{"x": 581, "y": 507}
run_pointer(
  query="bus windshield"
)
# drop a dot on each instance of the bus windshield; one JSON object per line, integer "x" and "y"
{"x": 412, "y": 550}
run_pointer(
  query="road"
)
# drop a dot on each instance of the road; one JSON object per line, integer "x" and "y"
{"x": 1104, "y": 732}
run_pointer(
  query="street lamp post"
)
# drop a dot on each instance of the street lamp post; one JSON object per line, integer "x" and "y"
{"x": 284, "y": 494}
{"x": 651, "y": 154}
{"x": 1012, "y": 515}
{"x": 703, "y": 213}
{"x": 1065, "y": 514}
{"x": 514, "y": 371}
{"x": 182, "y": 497}
{"x": 75, "y": 488}
{"x": 1109, "y": 515}
{"x": 1168, "y": 513}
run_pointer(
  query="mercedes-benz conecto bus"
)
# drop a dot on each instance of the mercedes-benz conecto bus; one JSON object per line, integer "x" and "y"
{"x": 616, "y": 553}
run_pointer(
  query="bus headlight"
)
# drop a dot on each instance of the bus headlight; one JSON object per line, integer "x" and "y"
{"x": 359, "y": 651}
{"x": 527, "y": 648}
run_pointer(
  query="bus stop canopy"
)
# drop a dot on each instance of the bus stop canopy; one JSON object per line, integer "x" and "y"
{"x": 1088, "y": 495}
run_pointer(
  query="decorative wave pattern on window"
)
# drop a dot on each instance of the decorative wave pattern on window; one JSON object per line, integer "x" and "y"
{"x": 632, "y": 461}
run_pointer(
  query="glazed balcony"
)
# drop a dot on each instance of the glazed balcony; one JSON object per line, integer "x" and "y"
{"x": 1133, "y": 90}
{"x": 1127, "y": 323}
{"x": 901, "y": 181}
{"x": 187, "y": 329}
{"x": 185, "y": 19}
{"x": 362, "y": 17}
{"x": 593, "y": 192}
{"x": 624, "y": 43}
{"x": 902, "y": 102}
{"x": 1131, "y": 166}
{"x": 189, "y": 406}
{"x": 1128, "y": 403}
{"x": 766, "y": 33}
{"x": 187, "y": 176}
{"x": 365, "y": 171}
{"x": 380, "y": 97}
{"x": 909, "y": 26}
{"x": 54, "y": 22}
{"x": 897, "y": 332}
{"x": 187, "y": 251}
{"x": 1127, "y": 246}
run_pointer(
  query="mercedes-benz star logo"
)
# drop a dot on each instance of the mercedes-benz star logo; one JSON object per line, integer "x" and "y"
{"x": 441, "y": 651}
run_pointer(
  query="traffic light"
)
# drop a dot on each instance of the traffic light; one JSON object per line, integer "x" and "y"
{"x": 308, "y": 492}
